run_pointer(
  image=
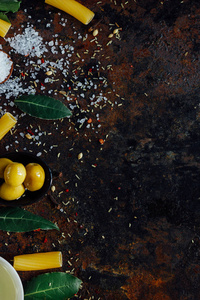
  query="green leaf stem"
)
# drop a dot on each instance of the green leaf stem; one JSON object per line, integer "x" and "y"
{"x": 19, "y": 220}
{"x": 51, "y": 286}
{"x": 43, "y": 107}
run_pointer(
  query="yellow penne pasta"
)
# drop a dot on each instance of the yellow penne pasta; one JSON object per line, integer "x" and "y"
{"x": 4, "y": 27}
{"x": 7, "y": 121}
{"x": 74, "y": 8}
{"x": 38, "y": 261}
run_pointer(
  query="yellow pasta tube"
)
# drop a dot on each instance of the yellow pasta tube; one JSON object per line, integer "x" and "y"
{"x": 7, "y": 121}
{"x": 4, "y": 27}
{"x": 38, "y": 261}
{"x": 74, "y": 8}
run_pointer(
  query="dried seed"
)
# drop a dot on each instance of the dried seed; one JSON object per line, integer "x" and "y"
{"x": 53, "y": 188}
{"x": 49, "y": 73}
{"x": 28, "y": 136}
{"x": 110, "y": 35}
{"x": 115, "y": 30}
{"x": 62, "y": 92}
{"x": 95, "y": 32}
{"x": 80, "y": 155}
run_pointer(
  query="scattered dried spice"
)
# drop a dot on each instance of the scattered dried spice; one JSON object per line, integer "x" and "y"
{"x": 83, "y": 86}
{"x": 80, "y": 155}
{"x": 101, "y": 141}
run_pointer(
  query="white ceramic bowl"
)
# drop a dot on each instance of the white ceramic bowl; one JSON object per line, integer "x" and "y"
{"x": 6, "y": 56}
{"x": 10, "y": 282}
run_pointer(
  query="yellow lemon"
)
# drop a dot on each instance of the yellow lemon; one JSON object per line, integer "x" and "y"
{"x": 9, "y": 192}
{"x": 14, "y": 174}
{"x": 3, "y": 164}
{"x": 35, "y": 177}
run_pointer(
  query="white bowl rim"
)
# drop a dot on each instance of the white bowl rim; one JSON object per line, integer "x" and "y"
{"x": 15, "y": 276}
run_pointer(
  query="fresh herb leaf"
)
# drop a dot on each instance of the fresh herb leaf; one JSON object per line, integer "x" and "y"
{"x": 55, "y": 285}
{"x": 4, "y": 17}
{"x": 19, "y": 220}
{"x": 43, "y": 107}
{"x": 9, "y": 5}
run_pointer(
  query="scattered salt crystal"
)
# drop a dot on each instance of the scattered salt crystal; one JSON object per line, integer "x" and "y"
{"x": 53, "y": 50}
{"x": 81, "y": 120}
{"x": 28, "y": 43}
{"x": 13, "y": 88}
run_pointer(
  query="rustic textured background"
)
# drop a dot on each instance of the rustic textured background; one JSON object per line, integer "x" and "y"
{"x": 129, "y": 209}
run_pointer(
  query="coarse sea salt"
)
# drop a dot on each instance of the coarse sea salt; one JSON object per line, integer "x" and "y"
{"x": 28, "y": 43}
{"x": 13, "y": 88}
{"x": 6, "y": 65}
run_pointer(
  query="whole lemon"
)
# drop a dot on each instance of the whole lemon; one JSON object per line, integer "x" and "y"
{"x": 14, "y": 174}
{"x": 9, "y": 192}
{"x": 3, "y": 164}
{"x": 35, "y": 177}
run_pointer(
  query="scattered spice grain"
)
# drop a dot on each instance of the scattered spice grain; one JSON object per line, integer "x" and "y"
{"x": 95, "y": 32}
{"x": 80, "y": 155}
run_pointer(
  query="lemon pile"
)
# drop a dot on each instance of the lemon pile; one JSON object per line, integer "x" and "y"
{"x": 17, "y": 178}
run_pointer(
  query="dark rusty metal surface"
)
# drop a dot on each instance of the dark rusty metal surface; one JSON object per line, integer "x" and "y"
{"x": 129, "y": 209}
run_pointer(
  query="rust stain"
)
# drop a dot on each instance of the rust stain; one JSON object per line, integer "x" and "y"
{"x": 147, "y": 286}
{"x": 88, "y": 257}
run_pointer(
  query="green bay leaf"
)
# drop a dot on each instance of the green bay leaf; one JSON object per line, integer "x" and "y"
{"x": 9, "y": 5}
{"x": 43, "y": 107}
{"x": 55, "y": 285}
{"x": 19, "y": 220}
